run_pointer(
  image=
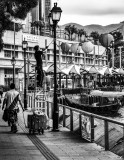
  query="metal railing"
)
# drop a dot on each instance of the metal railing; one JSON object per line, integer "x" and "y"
{"x": 92, "y": 117}
{"x": 68, "y": 115}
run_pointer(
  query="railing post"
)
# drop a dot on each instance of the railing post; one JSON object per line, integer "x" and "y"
{"x": 48, "y": 109}
{"x": 92, "y": 129}
{"x": 31, "y": 102}
{"x": 106, "y": 135}
{"x": 71, "y": 120}
{"x": 52, "y": 110}
{"x": 64, "y": 116}
{"x": 80, "y": 124}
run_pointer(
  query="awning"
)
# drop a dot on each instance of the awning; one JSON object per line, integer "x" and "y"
{"x": 106, "y": 94}
{"x": 10, "y": 66}
{"x": 104, "y": 71}
{"x": 50, "y": 69}
{"x": 91, "y": 69}
{"x": 72, "y": 69}
{"x": 120, "y": 71}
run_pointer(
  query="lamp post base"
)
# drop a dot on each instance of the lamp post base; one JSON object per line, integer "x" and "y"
{"x": 55, "y": 130}
{"x": 55, "y": 121}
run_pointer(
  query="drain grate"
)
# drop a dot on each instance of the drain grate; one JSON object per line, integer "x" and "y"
{"x": 40, "y": 145}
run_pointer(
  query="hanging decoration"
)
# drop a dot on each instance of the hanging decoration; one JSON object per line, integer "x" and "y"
{"x": 106, "y": 39}
{"x": 73, "y": 36}
{"x": 75, "y": 48}
{"x": 87, "y": 47}
{"x": 82, "y": 39}
{"x": 65, "y": 47}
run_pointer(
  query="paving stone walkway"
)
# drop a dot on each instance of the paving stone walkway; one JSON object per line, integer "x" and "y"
{"x": 62, "y": 145}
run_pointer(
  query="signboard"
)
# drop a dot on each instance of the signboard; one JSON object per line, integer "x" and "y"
{"x": 30, "y": 38}
{"x": 86, "y": 128}
{"x": 22, "y": 22}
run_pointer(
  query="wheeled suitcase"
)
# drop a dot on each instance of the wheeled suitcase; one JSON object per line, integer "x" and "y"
{"x": 37, "y": 123}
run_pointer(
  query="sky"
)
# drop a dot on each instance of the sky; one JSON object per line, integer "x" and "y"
{"x": 86, "y": 12}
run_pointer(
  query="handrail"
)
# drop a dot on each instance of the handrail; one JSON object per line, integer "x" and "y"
{"x": 92, "y": 114}
{"x": 49, "y": 110}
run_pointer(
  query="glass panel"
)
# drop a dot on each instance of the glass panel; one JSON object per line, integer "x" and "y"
{"x": 56, "y": 16}
{"x": 7, "y": 54}
{"x": 7, "y": 46}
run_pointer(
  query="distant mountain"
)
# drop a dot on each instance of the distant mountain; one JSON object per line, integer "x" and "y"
{"x": 95, "y": 27}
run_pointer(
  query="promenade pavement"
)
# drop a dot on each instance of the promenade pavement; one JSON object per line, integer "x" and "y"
{"x": 62, "y": 145}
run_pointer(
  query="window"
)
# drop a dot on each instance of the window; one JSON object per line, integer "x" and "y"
{"x": 8, "y": 71}
{"x": 23, "y": 55}
{"x": 7, "y": 46}
{"x": 30, "y": 56}
{"x": 16, "y": 47}
{"x": 48, "y": 57}
{"x": 63, "y": 59}
{"x": 57, "y": 52}
{"x": 16, "y": 54}
{"x": 48, "y": 50}
{"x": 7, "y": 54}
{"x": 57, "y": 58}
{"x": 31, "y": 49}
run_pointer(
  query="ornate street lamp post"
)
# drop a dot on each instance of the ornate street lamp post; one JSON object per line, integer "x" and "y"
{"x": 13, "y": 62}
{"x": 54, "y": 18}
{"x": 24, "y": 46}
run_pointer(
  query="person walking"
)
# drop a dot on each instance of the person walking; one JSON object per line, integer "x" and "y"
{"x": 11, "y": 99}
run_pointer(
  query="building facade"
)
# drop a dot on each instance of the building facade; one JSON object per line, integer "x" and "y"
{"x": 41, "y": 11}
{"x": 63, "y": 59}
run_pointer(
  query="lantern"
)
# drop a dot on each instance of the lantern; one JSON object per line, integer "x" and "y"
{"x": 87, "y": 47}
{"x": 75, "y": 48}
{"x": 82, "y": 38}
{"x": 65, "y": 47}
{"x": 106, "y": 39}
{"x": 73, "y": 36}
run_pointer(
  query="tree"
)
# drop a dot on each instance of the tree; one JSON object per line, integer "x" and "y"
{"x": 37, "y": 26}
{"x": 81, "y": 32}
{"x": 41, "y": 26}
{"x": 70, "y": 30}
{"x": 95, "y": 35}
{"x": 13, "y": 8}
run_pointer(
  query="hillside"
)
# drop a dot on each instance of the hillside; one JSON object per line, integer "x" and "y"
{"x": 94, "y": 27}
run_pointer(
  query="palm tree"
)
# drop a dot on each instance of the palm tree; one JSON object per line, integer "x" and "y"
{"x": 32, "y": 28}
{"x": 36, "y": 24}
{"x": 67, "y": 31}
{"x": 18, "y": 27}
{"x": 95, "y": 35}
{"x": 37, "y": 27}
{"x": 81, "y": 32}
{"x": 70, "y": 30}
{"x": 41, "y": 25}
{"x": 73, "y": 30}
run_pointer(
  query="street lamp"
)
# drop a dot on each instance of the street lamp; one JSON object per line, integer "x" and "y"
{"x": 50, "y": 23}
{"x": 24, "y": 46}
{"x": 54, "y": 17}
{"x": 13, "y": 62}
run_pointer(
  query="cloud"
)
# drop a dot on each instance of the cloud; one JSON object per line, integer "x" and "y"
{"x": 92, "y": 7}
{"x": 86, "y": 12}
